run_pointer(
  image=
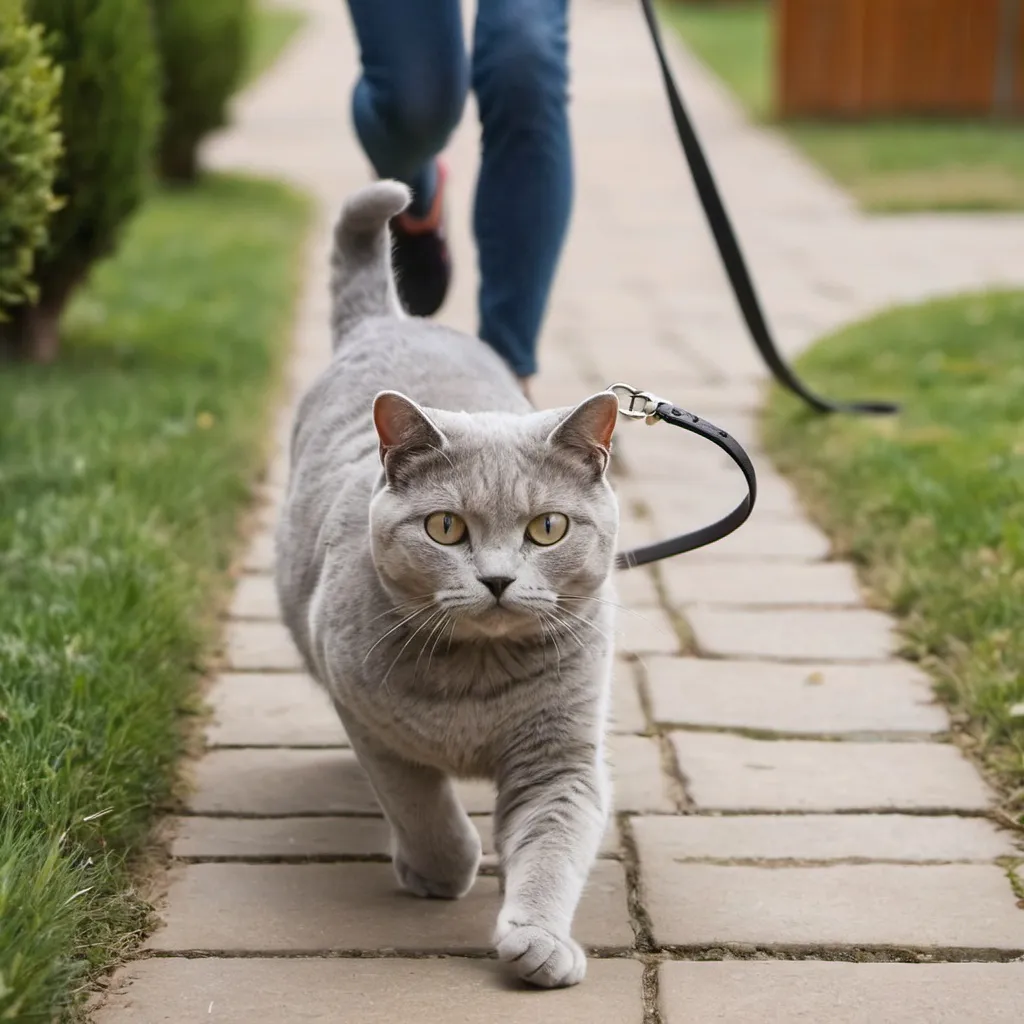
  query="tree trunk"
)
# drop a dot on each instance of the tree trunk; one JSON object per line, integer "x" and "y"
{"x": 32, "y": 334}
{"x": 179, "y": 160}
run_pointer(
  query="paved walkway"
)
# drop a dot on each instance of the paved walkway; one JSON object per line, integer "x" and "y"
{"x": 789, "y": 805}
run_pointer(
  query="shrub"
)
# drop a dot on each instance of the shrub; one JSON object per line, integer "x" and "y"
{"x": 203, "y": 47}
{"x": 29, "y": 151}
{"x": 109, "y": 117}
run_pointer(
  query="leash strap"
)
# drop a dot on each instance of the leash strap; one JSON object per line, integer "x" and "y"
{"x": 729, "y": 247}
{"x": 637, "y": 405}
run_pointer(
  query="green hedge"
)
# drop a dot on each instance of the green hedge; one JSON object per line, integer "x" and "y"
{"x": 29, "y": 151}
{"x": 109, "y": 118}
{"x": 203, "y": 49}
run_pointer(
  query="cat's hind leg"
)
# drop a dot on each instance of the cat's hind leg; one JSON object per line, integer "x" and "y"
{"x": 435, "y": 847}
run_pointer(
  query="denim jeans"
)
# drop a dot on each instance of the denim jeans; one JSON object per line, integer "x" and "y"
{"x": 409, "y": 100}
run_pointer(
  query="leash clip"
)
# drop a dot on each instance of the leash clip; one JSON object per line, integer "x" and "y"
{"x": 635, "y": 404}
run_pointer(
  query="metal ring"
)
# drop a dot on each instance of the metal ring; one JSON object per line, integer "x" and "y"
{"x": 634, "y": 404}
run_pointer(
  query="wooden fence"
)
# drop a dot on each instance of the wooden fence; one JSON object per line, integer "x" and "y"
{"x": 859, "y": 58}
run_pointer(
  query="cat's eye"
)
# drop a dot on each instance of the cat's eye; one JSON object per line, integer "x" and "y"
{"x": 548, "y": 528}
{"x": 446, "y": 528}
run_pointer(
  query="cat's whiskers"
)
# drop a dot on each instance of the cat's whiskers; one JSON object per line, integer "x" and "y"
{"x": 451, "y": 635}
{"x": 435, "y": 633}
{"x": 611, "y": 604}
{"x": 544, "y": 647}
{"x": 453, "y": 602}
{"x": 588, "y": 622}
{"x": 596, "y": 600}
{"x": 419, "y": 611}
{"x": 448, "y": 620}
{"x": 566, "y": 627}
{"x": 415, "y": 633}
{"x": 530, "y": 601}
{"x": 399, "y": 608}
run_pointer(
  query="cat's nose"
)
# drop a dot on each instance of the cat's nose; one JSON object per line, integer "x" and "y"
{"x": 497, "y": 585}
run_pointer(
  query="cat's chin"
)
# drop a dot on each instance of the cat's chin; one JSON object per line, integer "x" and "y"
{"x": 497, "y": 624}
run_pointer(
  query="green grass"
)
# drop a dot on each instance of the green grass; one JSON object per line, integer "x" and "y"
{"x": 123, "y": 470}
{"x": 887, "y": 165}
{"x": 273, "y": 28}
{"x": 732, "y": 39}
{"x": 930, "y": 504}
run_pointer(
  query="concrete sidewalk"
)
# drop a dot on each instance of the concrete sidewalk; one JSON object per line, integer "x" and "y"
{"x": 788, "y": 803}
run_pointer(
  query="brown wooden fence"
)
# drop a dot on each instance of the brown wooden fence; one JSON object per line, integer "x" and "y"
{"x": 858, "y": 58}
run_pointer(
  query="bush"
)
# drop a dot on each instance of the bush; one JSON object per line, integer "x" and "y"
{"x": 29, "y": 151}
{"x": 203, "y": 48}
{"x": 109, "y": 117}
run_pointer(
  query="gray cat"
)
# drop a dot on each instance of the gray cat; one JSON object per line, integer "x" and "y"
{"x": 444, "y": 562}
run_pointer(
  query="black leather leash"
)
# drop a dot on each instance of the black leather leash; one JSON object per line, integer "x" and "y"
{"x": 641, "y": 405}
{"x": 729, "y": 249}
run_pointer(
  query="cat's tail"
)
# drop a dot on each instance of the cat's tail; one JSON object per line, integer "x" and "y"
{"x": 362, "y": 282}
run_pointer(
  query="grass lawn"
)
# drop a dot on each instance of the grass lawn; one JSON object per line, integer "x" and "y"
{"x": 887, "y": 165}
{"x": 930, "y": 504}
{"x": 123, "y": 470}
{"x": 273, "y": 28}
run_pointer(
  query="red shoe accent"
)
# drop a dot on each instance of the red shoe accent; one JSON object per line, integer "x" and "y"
{"x": 433, "y": 220}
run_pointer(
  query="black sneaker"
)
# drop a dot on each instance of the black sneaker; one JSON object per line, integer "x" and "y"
{"x": 420, "y": 256}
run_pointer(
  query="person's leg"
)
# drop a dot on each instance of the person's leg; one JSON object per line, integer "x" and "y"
{"x": 405, "y": 106}
{"x": 524, "y": 195}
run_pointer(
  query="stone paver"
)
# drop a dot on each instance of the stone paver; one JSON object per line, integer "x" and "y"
{"x": 200, "y": 838}
{"x": 787, "y": 698}
{"x": 747, "y": 583}
{"x": 733, "y": 773}
{"x": 636, "y": 589}
{"x": 290, "y": 782}
{"x": 681, "y": 504}
{"x": 787, "y": 992}
{"x": 255, "y": 598}
{"x": 177, "y": 990}
{"x": 949, "y": 906}
{"x": 800, "y": 653}
{"x": 261, "y": 647}
{"x": 771, "y": 541}
{"x": 634, "y": 530}
{"x": 266, "y": 908}
{"x": 821, "y": 837}
{"x": 647, "y": 631}
{"x": 627, "y": 714}
{"x": 259, "y": 557}
{"x": 671, "y": 456}
{"x": 640, "y": 784}
{"x": 798, "y": 635}
{"x": 251, "y": 709}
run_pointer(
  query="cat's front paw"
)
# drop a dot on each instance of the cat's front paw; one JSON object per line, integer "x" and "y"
{"x": 440, "y": 885}
{"x": 539, "y": 956}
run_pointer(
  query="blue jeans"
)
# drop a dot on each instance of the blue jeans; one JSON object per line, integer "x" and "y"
{"x": 408, "y": 102}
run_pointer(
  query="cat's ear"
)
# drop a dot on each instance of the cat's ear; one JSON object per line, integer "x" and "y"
{"x": 587, "y": 430}
{"x": 403, "y": 430}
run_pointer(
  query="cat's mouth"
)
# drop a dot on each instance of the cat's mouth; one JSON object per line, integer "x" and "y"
{"x": 498, "y": 620}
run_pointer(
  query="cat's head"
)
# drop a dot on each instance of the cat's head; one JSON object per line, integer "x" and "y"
{"x": 496, "y": 519}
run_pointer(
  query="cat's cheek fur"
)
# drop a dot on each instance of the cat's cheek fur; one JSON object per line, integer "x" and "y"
{"x": 410, "y": 565}
{"x": 583, "y": 563}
